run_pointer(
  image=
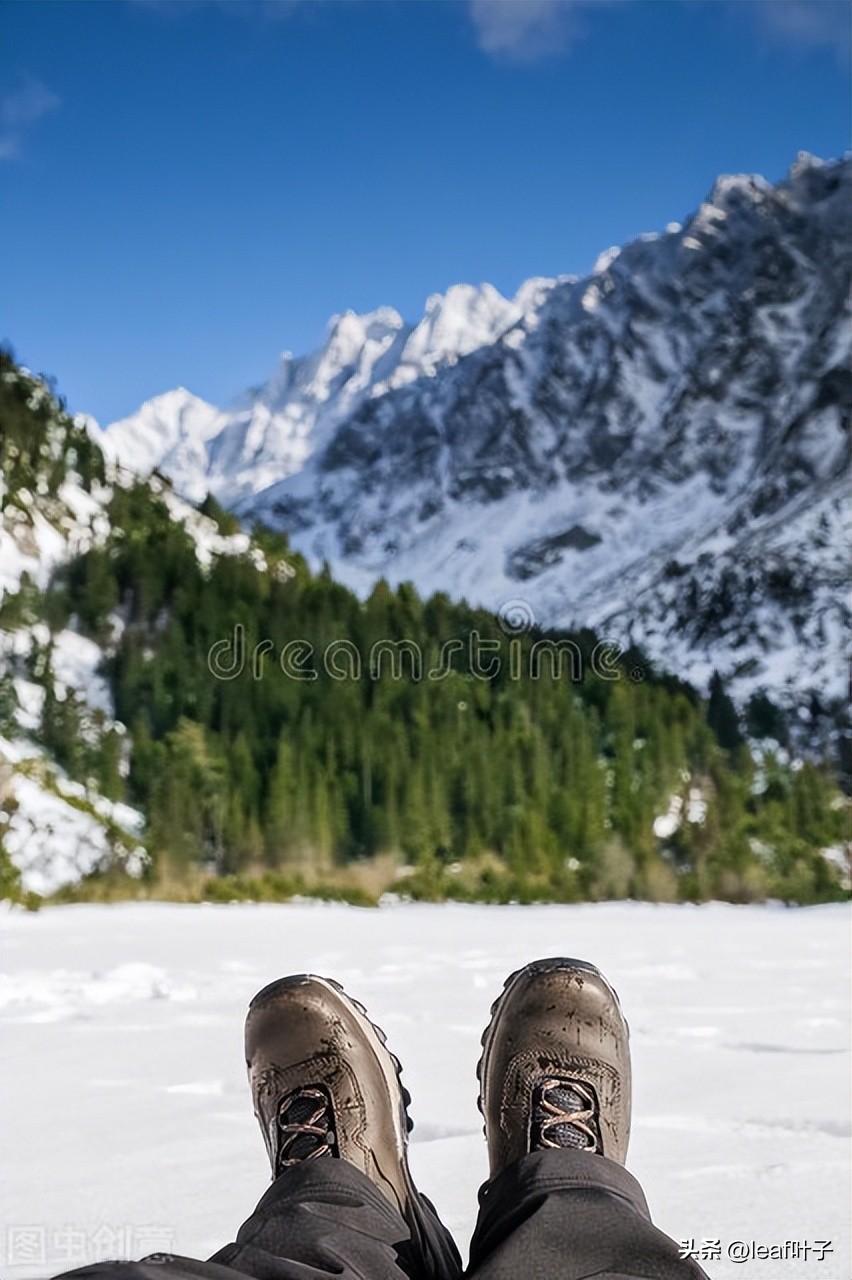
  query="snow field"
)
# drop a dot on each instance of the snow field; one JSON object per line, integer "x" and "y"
{"x": 126, "y": 1116}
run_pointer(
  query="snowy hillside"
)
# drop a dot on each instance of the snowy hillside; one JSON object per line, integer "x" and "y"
{"x": 55, "y": 506}
{"x": 741, "y": 1063}
{"x": 659, "y": 450}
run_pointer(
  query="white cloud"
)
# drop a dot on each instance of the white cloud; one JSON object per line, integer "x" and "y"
{"x": 20, "y": 108}
{"x": 817, "y": 23}
{"x": 527, "y": 29}
{"x": 524, "y": 30}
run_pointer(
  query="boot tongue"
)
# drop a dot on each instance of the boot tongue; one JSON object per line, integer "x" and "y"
{"x": 549, "y": 1098}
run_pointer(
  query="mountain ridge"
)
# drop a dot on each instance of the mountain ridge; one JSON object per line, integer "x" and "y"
{"x": 620, "y": 450}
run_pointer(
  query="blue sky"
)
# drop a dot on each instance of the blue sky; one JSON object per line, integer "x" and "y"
{"x": 187, "y": 187}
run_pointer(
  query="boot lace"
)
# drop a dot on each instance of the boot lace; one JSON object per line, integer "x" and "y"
{"x": 565, "y": 1114}
{"x": 305, "y": 1126}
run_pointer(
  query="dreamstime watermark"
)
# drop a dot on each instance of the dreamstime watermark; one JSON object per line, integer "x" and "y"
{"x": 474, "y": 654}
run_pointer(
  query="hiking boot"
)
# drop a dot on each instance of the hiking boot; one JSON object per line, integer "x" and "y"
{"x": 325, "y": 1086}
{"x": 555, "y": 1066}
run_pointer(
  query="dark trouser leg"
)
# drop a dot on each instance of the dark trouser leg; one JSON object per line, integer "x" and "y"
{"x": 567, "y": 1215}
{"x": 318, "y": 1219}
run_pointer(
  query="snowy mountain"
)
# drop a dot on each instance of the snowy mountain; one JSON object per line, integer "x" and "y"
{"x": 128, "y": 751}
{"x": 660, "y": 449}
{"x": 272, "y": 430}
{"x": 170, "y": 433}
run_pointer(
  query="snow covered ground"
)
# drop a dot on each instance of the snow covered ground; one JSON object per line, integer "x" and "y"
{"x": 126, "y": 1120}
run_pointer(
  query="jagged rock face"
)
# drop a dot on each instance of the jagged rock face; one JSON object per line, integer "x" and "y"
{"x": 684, "y": 353}
{"x": 272, "y": 430}
{"x": 658, "y": 449}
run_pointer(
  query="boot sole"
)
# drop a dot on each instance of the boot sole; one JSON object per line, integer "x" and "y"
{"x": 553, "y": 965}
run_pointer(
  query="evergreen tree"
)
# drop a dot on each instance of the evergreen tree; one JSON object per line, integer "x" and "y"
{"x": 722, "y": 715}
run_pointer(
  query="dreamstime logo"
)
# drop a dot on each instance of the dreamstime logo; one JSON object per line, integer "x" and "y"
{"x": 515, "y": 653}
{"x": 515, "y": 617}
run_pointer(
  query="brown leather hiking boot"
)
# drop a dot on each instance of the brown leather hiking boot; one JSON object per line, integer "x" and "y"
{"x": 555, "y": 1065}
{"x": 325, "y": 1086}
